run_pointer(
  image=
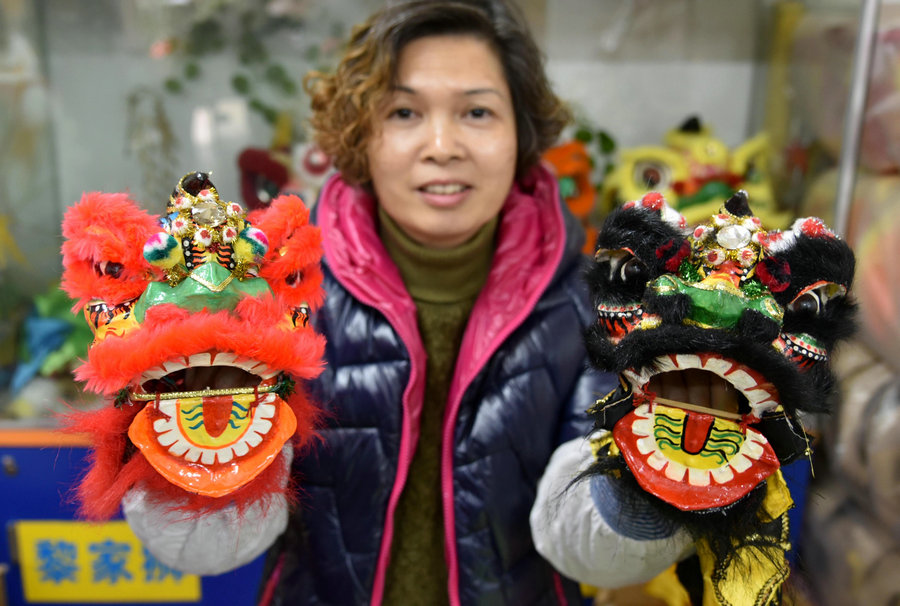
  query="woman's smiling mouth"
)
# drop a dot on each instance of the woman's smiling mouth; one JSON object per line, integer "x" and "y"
{"x": 444, "y": 194}
{"x": 444, "y": 189}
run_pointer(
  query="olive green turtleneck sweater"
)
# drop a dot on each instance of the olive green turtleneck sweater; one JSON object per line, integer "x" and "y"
{"x": 444, "y": 285}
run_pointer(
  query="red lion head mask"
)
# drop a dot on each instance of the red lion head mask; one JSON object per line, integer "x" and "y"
{"x": 200, "y": 319}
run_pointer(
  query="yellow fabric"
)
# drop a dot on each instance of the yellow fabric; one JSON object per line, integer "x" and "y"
{"x": 666, "y": 587}
{"x": 778, "y": 497}
{"x": 600, "y": 441}
{"x": 9, "y": 250}
{"x": 751, "y": 575}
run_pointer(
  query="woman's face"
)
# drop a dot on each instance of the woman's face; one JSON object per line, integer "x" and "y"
{"x": 443, "y": 153}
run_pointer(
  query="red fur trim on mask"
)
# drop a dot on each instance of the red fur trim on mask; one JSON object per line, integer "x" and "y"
{"x": 115, "y": 466}
{"x": 107, "y": 478}
{"x": 255, "y": 331}
{"x": 673, "y": 262}
{"x": 775, "y": 274}
{"x": 291, "y": 265}
{"x": 105, "y": 227}
{"x": 309, "y": 419}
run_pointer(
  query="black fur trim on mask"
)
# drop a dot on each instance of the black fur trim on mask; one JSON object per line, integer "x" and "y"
{"x": 812, "y": 259}
{"x": 641, "y": 230}
{"x": 672, "y": 307}
{"x": 754, "y": 326}
{"x": 692, "y": 124}
{"x": 835, "y": 322}
{"x": 738, "y": 204}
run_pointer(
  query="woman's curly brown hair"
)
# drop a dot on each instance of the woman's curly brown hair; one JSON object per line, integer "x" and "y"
{"x": 344, "y": 103}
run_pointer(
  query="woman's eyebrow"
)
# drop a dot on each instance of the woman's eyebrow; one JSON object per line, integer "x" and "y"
{"x": 482, "y": 91}
{"x": 399, "y": 88}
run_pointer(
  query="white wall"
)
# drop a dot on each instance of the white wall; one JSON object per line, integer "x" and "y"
{"x": 97, "y": 55}
{"x": 638, "y": 68}
{"x": 633, "y": 67}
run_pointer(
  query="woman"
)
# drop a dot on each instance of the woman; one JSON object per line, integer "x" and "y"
{"x": 454, "y": 315}
{"x": 454, "y": 312}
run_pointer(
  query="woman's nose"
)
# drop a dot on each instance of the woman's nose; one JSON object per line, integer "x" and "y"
{"x": 442, "y": 143}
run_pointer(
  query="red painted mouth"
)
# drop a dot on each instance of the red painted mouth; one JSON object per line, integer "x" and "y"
{"x": 210, "y": 423}
{"x": 689, "y": 440}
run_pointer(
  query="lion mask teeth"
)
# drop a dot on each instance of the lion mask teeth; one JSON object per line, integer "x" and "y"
{"x": 760, "y": 394}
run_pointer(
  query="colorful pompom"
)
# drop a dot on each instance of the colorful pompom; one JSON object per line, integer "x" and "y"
{"x": 179, "y": 226}
{"x": 203, "y": 237}
{"x": 162, "y": 250}
{"x": 653, "y": 200}
{"x": 256, "y": 239}
{"x": 229, "y": 234}
{"x": 812, "y": 227}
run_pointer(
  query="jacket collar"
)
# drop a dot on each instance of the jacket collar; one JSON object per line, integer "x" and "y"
{"x": 531, "y": 243}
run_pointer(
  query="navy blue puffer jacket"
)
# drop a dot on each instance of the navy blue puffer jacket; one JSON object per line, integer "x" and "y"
{"x": 520, "y": 388}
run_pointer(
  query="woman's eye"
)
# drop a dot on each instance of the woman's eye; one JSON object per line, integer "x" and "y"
{"x": 479, "y": 112}
{"x": 404, "y": 113}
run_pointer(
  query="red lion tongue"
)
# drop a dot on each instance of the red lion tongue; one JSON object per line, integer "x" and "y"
{"x": 696, "y": 431}
{"x": 216, "y": 413}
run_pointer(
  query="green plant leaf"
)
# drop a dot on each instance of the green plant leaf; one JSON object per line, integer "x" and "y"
{"x": 311, "y": 54}
{"x": 289, "y": 87}
{"x": 173, "y": 85}
{"x": 241, "y": 84}
{"x": 607, "y": 143}
{"x": 276, "y": 73}
{"x": 266, "y": 112}
{"x": 584, "y": 135}
{"x": 192, "y": 70}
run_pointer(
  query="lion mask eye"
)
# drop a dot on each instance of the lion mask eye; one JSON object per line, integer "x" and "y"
{"x": 105, "y": 319}
{"x": 633, "y": 270}
{"x": 652, "y": 175}
{"x": 108, "y": 268}
{"x": 294, "y": 279}
{"x": 623, "y": 266}
{"x": 807, "y": 303}
{"x": 812, "y": 300}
